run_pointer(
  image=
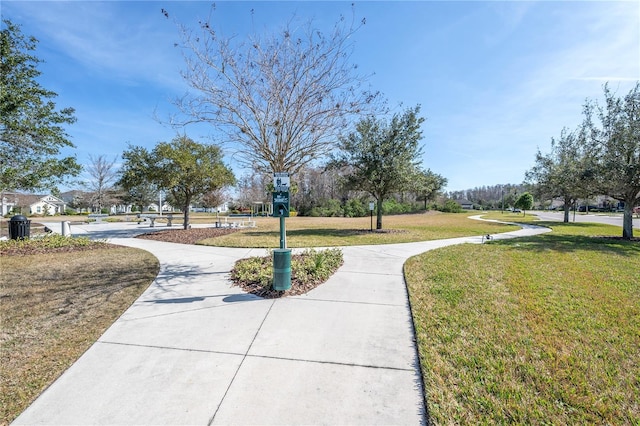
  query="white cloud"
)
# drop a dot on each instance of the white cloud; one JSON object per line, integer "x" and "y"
{"x": 128, "y": 41}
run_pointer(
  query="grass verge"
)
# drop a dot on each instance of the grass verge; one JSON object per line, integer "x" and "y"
{"x": 55, "y": 305}
{"x": 534, "y": 330}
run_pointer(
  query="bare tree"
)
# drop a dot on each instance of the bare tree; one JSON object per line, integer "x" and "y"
{"x": 252, "y": 188}
{"x": 317, "y": 185}
{"x": 103, "y": 175}
{"x": 281, "y": 98}
{"x": 215, "y": 198}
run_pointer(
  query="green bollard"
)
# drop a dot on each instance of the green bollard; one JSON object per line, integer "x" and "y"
{"x": 281, "y": 269}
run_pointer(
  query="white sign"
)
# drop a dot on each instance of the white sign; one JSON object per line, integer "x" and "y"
{"x": 281, "y": 182}
{"x": 371, "y": 206}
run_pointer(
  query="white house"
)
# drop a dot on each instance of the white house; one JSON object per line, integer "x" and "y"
{"x": 46, "y": 205}
{"x": 8, "y": 200}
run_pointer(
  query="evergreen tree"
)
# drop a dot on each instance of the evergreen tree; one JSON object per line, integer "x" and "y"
{"x": 32, "y": 131}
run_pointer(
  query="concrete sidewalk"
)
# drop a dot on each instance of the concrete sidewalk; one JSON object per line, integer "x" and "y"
{"x": 194, "y": 350}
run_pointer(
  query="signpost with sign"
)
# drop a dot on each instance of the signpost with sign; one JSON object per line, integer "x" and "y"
{"x": 281, "y": 257}
{"x": 281, "y": 182}
{"x": 372, "y": 206}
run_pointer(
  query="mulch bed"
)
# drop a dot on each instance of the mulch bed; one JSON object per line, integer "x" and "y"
{"x": 193, "y": 235}
{"x": 382, "y": 231}
{"x": 187, "y": 236}
{"x": 298, "y": 287}
{"x": 268, "y": 293}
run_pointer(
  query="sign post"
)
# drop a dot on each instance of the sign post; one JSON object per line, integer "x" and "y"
{"x": 281, "y": 210}
{"x": 281, "y": 257}
{"x": 371, "y": 207}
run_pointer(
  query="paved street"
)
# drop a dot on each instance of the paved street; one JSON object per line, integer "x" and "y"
{"x": 610, "y": 219}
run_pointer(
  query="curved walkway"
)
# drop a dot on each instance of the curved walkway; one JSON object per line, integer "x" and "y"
{"x": 194, "y": 350}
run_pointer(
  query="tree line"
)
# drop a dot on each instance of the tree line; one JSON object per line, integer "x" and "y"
{"x": 283, "y": 101}
{"x": 600, "y": 157}
{"x": 491, "y": 197}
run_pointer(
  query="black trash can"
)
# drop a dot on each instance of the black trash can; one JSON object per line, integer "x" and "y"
{"x": 19, "y": 227}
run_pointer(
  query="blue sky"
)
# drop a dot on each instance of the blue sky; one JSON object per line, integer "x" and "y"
{"x": 496, "y": 80}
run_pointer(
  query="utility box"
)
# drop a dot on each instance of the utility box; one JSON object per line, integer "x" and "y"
{"x": 281, "y": 269}
{"x": 19, "y": 227}
{"x": 280, "y": 204}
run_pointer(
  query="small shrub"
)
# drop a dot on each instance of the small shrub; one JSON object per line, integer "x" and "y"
{"x": 258, "y": 270}
{"x": 450, "y": 207}
{"x": 315, "y": 266}
{"x": 355, "y": 208}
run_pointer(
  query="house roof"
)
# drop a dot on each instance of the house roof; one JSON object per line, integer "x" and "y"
{"x": 463, "y": 201}
{"x": 30, "y": 199}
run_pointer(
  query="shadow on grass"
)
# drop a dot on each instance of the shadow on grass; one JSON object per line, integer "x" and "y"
{"x": 317, "y": 232}
{"x": 570, "y": 237}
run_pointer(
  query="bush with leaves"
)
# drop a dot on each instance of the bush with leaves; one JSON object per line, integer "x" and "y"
{"x": 355, "y": 208}
{"x": 450, "y": 206}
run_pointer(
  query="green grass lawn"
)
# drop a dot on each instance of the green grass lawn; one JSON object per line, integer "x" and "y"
{"x": 337, "y": 231}
{"x": 542, "y": 329}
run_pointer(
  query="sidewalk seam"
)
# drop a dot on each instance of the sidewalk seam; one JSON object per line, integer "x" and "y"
{"x": 169, "y": 348}
{"x": 311, "y": 299}
{"x": 224, "y": 396}
{"x": 345, "y": 364}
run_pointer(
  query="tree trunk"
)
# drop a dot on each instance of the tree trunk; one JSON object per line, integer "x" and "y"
{"x": 185, "y": 224}
{"x": 379, "y": 215}
{"x": 567, "y": 209}
{"x": 627, "y": 220}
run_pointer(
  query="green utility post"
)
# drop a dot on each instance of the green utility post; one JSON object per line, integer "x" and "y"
{"x": 283, "y": 233}
{"x": 282, "y": 256}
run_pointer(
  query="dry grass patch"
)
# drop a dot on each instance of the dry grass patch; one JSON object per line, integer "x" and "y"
{"x": 534, "y": 330}
{"x": 54, "y": 306}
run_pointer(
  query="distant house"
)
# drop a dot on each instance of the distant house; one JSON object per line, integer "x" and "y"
{"x": 8, "y": 201}
{"x": 46, "y": 205}
{"x": 78, "y": 199}
{"x": 465, "y": 204}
